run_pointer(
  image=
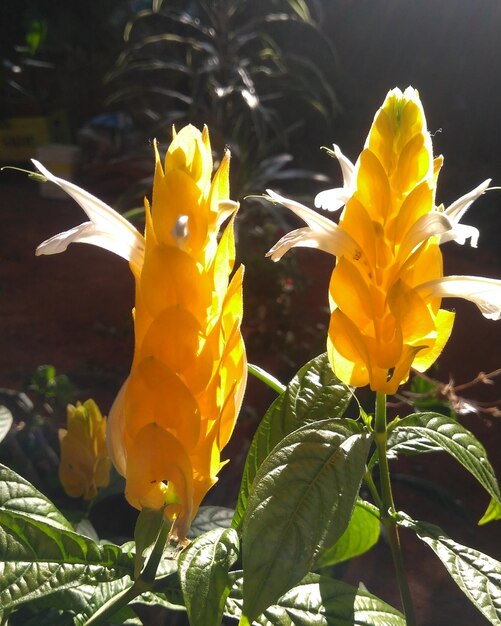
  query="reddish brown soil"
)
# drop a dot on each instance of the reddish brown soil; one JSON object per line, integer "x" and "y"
{"x": 73, "y": 311}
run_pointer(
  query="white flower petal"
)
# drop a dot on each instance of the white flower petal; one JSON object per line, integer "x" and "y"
{"x": 334, "y": 199}
{"x": 460, "y": 233}
{"x": 426, "y": 226}
{"x": 107, "y": 228}
{"x": 322, "y": 233}
{"x": 484, "y": 292}
{"x": 314, "y": 220}
{"x": 226, "y": 209}
{"x": 303, "y": 238}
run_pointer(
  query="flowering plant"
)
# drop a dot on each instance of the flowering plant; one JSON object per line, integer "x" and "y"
{"x": 316, "y": 487}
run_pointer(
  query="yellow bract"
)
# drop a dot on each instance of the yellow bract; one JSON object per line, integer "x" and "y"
{"x": 85, "y": 464}
{"x": 179, "y": 405}
{"x": 380, "y": 324}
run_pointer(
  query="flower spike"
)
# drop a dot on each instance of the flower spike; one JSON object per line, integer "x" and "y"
{"x": 178, "y": 407}
{"x": 386, "y": 288}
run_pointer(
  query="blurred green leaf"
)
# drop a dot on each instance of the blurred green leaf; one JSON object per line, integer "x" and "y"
{"x": 312, "y": 395}
{"x": 301, "y": 501}
{"x": 203, "y": 571}
{"x": 476, "y": 574}
{"x": 360, "y": 536}
{"x": 320, "y": 601}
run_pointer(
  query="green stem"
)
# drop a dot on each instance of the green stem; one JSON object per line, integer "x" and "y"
{"x": 150, "y": 570}
{"x": 268, "y": 379}
{"x": 387, "y": 509}
{"x": 373, "y": 489}
{"x": 102, "y": 615}
{"x": 145, "y": 582}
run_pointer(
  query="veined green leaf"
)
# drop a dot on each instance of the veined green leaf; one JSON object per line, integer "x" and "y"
{"x": 361, "y": 534}
{"x": 19, "y": 496}
{"x": 320, "y": 601}
{"x": 301, "y": 501}
{"x": 203, "y": 571}
{"x": 312, "y": 395}
{"x": 38, "y": 558}
{"x": 98, "y": 595}
{"x": 476, "y": 574}
{"x": 84, "y": 601}
{"x": 210, "y": 518}
{"x": 433, "y": 432}
{"x": 5, "y": 421}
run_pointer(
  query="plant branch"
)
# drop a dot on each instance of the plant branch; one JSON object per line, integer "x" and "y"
{"x": 387, "y": 509}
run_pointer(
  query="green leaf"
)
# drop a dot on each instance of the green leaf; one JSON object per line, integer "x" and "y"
{"x": 38, "y": 558}
{"x": 320, "y": 601}
{"x": 360, "y": 536}
{"x": 433, "y": 432}
{"x": 19, "y": 496}
{"x": 203, "y": 571}
{"x": 84, "y": 601}
{"x": 493, "y": 513}
{"x": 477, "y": 575}
{"x": 210, "y": 518}
{"x": 301, "y": 501}
{"x": 5, "y": 421}
{"x": 313, "y": 394}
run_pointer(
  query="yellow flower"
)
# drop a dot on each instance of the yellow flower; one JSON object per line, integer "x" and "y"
{"x": 85, "y": 465}
{"x": 385, "y": 291}
{"x": 178, "y": 407}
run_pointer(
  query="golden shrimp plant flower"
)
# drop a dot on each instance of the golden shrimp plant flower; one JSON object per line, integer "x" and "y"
{"x": 386, "y": 288}
{"x": 84, "y": 464}
{"x": 178, "y": 407}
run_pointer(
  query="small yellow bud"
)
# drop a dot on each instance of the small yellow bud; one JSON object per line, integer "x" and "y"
{"x": 85, "y": 465}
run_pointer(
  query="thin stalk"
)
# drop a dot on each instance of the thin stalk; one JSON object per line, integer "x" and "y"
{"x": 266, "y": 378}
{"x": 145, "y": 582}
{"x": 387, "y": 509}
{"x": 369, "y": 481}
{"x": 102, "y": 615}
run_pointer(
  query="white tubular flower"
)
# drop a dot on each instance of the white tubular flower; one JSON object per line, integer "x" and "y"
{"x": 321, "y": 232}
{"x": 106, "y": 228}
{"x": 484, "y": 292}
{"x": 334, "y": 199}
{"x": 461, "y": 232}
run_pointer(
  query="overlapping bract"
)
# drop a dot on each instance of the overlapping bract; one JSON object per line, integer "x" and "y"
{"x": 178, "y": 407}
{"x": 386, "y": 288}
{"x": 84, "y": 464}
